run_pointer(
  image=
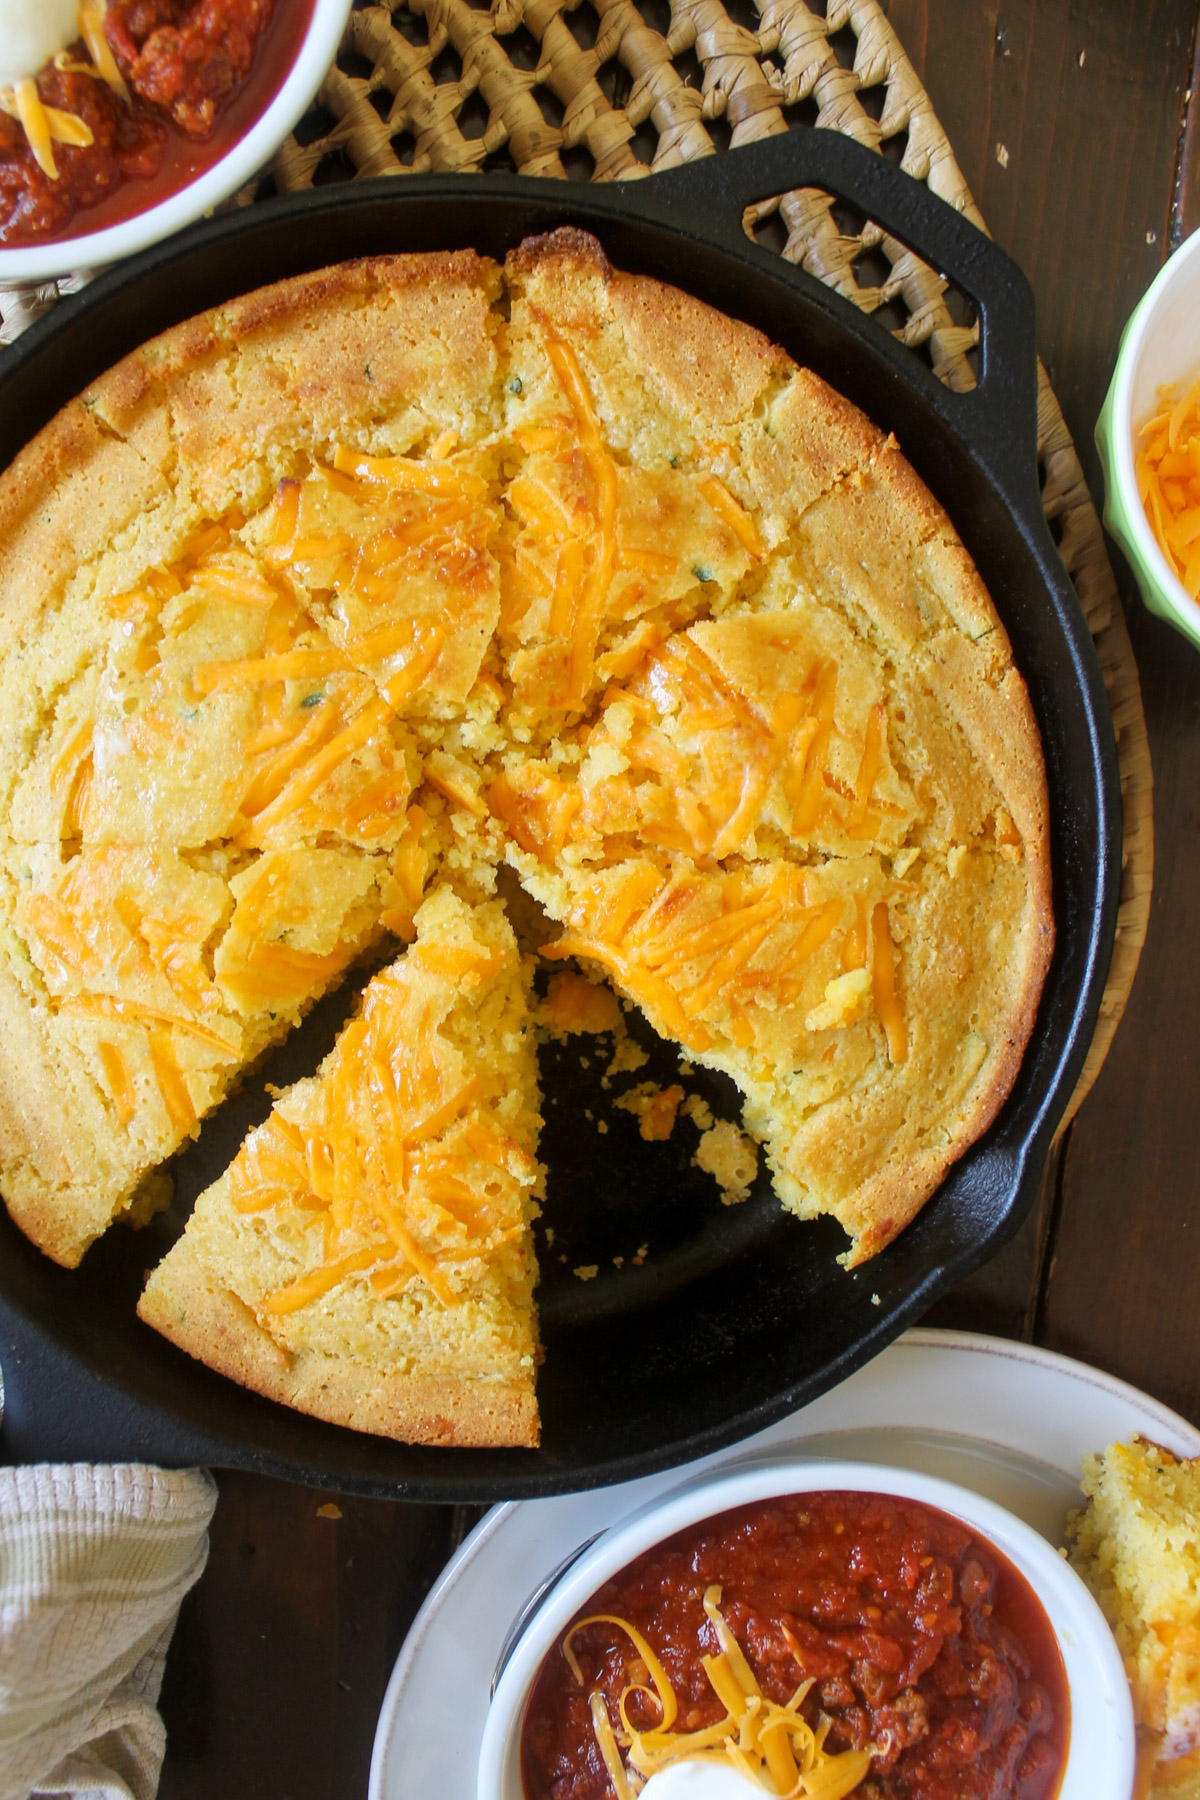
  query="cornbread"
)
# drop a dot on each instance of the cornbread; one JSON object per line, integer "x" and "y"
{"x": 1137, "y": 1545}
{"x": 367, "y": 1256}
{"x": 353, "y": 595}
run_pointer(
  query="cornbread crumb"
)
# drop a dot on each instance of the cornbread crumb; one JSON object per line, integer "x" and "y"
{"x": 654, "y": 1108}
{"x": 628, "y": 1056}
{"x": 731, "y": 1158}
{"x": 699, "y": 1112}
{"x": 586, "y": 1271}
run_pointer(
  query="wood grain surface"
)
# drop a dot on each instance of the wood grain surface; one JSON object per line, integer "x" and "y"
{"x": 1072, "y": 125}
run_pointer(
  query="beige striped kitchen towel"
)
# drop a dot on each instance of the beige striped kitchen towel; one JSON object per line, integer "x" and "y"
{"x": 94, "y": 1560}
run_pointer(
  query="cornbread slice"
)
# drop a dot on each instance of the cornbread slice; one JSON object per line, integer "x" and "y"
{"x": 1137, "y": 1545}
{"x": 367, "y": 1257}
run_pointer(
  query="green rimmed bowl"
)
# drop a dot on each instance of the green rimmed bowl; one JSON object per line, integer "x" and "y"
{"x": 1160, "y": 345}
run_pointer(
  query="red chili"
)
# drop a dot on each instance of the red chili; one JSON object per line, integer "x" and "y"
{"x": 920, "y": 1637}
{"x": 199, "y": 73}
{"x": 185, "y": 56}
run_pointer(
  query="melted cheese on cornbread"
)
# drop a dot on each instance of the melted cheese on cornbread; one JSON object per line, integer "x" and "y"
{"x": 377, "y": 1224}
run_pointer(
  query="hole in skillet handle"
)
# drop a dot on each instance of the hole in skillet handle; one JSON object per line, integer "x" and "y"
{"x": 707, "y": 200}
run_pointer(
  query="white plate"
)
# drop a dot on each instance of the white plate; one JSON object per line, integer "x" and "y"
{"x": 1004, "y": 1418}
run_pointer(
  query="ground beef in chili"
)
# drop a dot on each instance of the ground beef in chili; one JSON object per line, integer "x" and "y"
{"x": 920, "y": 1638}
{"x": 185, "y": 56}
{"x": 183, "y": 60}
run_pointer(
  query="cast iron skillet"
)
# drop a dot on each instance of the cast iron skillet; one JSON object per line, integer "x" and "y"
{"x": 736, "y": 1315}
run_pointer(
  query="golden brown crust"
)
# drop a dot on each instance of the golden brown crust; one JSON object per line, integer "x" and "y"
{"x": 186, "y": 1305}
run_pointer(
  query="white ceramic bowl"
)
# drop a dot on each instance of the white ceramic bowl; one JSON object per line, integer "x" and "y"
{"x": 1160, "y": 345}
{"x": 1100, "y": 1755}
{"x": 90, "y": 249}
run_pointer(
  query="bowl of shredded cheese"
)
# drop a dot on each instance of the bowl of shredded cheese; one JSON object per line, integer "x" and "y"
{"x": 1148, "y": 435}
{"x": 119, "y": 124}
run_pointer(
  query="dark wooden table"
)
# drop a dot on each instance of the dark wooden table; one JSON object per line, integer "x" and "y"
{"x": 1078, "y": 129}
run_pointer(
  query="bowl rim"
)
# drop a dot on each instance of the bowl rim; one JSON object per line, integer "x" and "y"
{"x": 1125, "y": 515}
{"x": 88, "y": 250}
{"x": 1101, "y": 1740}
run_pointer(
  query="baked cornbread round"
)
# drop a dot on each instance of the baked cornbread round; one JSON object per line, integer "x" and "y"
{"x": 343, "y": 595}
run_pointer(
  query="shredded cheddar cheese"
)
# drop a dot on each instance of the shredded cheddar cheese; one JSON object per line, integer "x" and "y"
{"x": 1168, "y": 477}
{"x": 770, "y": 1743}
{"x": 887, "y": 1003}
{"x": 734, "y": 514}
{"x": 395, "y": 1172}
{"x": 104, "y": 1006}
{"x": 582, "y": 612}
{"x": 91, "y": 30}
{"x": 172, "y": 1084}
{"x": 408, "y": 474}
{"x": 120, "y": 1080}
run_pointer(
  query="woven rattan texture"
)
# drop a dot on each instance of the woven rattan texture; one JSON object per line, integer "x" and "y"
{"x": 607, "y": 89}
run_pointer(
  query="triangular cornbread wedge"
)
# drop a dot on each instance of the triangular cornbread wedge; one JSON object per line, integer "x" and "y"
{"x": 368, "y": 1256}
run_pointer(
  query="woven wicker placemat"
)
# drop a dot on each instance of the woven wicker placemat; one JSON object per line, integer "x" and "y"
{"x": 601, "y": 89}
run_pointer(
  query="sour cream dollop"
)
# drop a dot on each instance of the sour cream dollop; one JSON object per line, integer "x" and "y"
{"x": 31, "y": 32}
{"x": 687, "y": 1780}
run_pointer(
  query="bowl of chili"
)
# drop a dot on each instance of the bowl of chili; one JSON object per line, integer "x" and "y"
{"x": 1148, "y": 435}
{"x": 883, "y": 1627}
{"x": 171, "y": 109}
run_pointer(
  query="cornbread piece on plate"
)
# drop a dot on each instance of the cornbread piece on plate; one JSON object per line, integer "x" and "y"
{"x": 406, "y": 569}
{"x": 368, "y": 1255}
{"x": 1137, "y": 1545}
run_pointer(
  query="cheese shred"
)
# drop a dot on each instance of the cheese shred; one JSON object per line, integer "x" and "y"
{"x": 770, "y": 1743}
{"x": 44, "y": 126}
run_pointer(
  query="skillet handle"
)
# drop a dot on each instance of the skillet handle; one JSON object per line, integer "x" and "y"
{"x": 707, "y": 199}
